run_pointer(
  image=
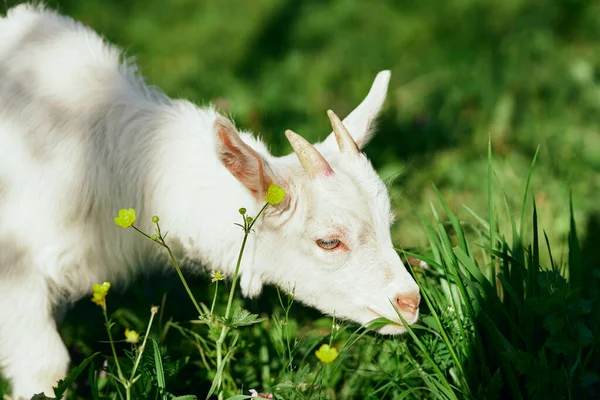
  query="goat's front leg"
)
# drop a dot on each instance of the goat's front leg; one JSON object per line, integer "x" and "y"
{"x": 32, "y": 353}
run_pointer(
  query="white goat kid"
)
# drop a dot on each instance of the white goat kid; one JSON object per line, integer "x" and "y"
{"x": 82, "y": 136}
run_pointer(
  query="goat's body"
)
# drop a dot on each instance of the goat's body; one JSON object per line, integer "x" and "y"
{"x": 81, "y": 136}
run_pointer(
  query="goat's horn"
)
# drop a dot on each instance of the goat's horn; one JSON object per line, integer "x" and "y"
{"x": 342, "y": 136}
{"x": 312, "y": 161}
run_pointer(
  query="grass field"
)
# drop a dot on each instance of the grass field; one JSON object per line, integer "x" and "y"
{"x": 521, "y": 75}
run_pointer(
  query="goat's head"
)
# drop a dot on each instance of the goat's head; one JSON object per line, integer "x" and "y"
{"x": 329, "y": 241}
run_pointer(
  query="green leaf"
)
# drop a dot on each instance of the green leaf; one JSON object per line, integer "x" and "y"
{"x": 554, "y": 323}
{"x": 65, "y": 384}
{"x": 243, "y": 317}
{"x": 590, "y": 378}
{"x": 584, "y": 334}
{"x": 160, "y": 373}
{"x": 430, "y": 322}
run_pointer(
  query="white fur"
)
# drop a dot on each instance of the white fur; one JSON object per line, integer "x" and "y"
{"x": 82, "y": 136}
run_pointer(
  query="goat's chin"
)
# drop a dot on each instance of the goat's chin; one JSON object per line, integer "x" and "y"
{"x": 398, "y": 328}
{"x": 392, "y": 329}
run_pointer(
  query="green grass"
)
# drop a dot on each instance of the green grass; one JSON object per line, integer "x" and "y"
{"x": 530, "y": 333}
{"x": 510, "y": 296}
{"x": 496, "y": 323}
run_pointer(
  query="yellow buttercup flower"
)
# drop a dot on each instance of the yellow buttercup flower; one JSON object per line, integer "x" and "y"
{"x": 99, "y": 293}
{"x": 131, "y": 336}
{"x": 126, "y": 218}
{"x": 275, "y": 195}
{"x": 326, "y": 354}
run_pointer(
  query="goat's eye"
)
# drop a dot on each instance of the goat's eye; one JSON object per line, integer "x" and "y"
{"x": 328, "y": 244}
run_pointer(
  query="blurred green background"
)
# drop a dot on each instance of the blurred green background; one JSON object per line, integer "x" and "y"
{"x": 525, "y": 73}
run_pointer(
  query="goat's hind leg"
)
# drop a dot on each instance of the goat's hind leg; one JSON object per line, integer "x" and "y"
{"x": 32, "y": 353}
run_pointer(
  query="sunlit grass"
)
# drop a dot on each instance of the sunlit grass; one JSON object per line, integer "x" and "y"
{"x": 495, "y": 322}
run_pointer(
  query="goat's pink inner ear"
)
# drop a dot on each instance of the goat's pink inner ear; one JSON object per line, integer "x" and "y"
{"x": 241, "y": 160}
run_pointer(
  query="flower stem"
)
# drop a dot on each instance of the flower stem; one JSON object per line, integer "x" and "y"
{"x": 239, "y": 260}
{"x": 219, "y": 344}
{"x": 142, "y": 232}
{"x": 187, "y": 288}
{"x": 112, "y": 345}
{"x": 161, "y": 241}
{"x": 212, "y": 307}
{"x": 224, "y": 328}
{"x": 235, "y": 276}
{"x": 141, "y": 349}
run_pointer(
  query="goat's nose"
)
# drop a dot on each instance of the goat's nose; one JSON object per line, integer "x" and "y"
{"x": 408, "y": 302}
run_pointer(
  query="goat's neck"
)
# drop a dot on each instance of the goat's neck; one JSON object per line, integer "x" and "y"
{"x": 198, "y": 200}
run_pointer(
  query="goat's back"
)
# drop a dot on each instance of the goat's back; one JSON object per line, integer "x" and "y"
{"x": 70, "y": 113}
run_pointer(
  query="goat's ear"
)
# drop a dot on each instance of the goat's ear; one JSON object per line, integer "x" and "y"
{"x": 241, "y": 160}
{"x": 359, "y": 121}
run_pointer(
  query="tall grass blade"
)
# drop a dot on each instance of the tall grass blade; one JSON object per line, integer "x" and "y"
{"x": 160, "y": 372}
{"x": 523, "y": 207}
{"x": 533, "y": 271}
{"x": 576, "y": 274}
{"x": 462, "y": 240}
{"x": 491, "y": 214}
{"x": 552, "y": 264}
{"x": 426, "y": 353}
{"x": 484, "y": 224}
{"x": 441, "y": 330}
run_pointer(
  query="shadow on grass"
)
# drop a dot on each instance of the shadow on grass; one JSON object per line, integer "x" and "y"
{"x": 83, "y": 329}
{"x": 538, "y": 338}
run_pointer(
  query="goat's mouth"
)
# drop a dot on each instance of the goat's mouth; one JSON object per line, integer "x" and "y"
{"x": 396, "y": 326}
